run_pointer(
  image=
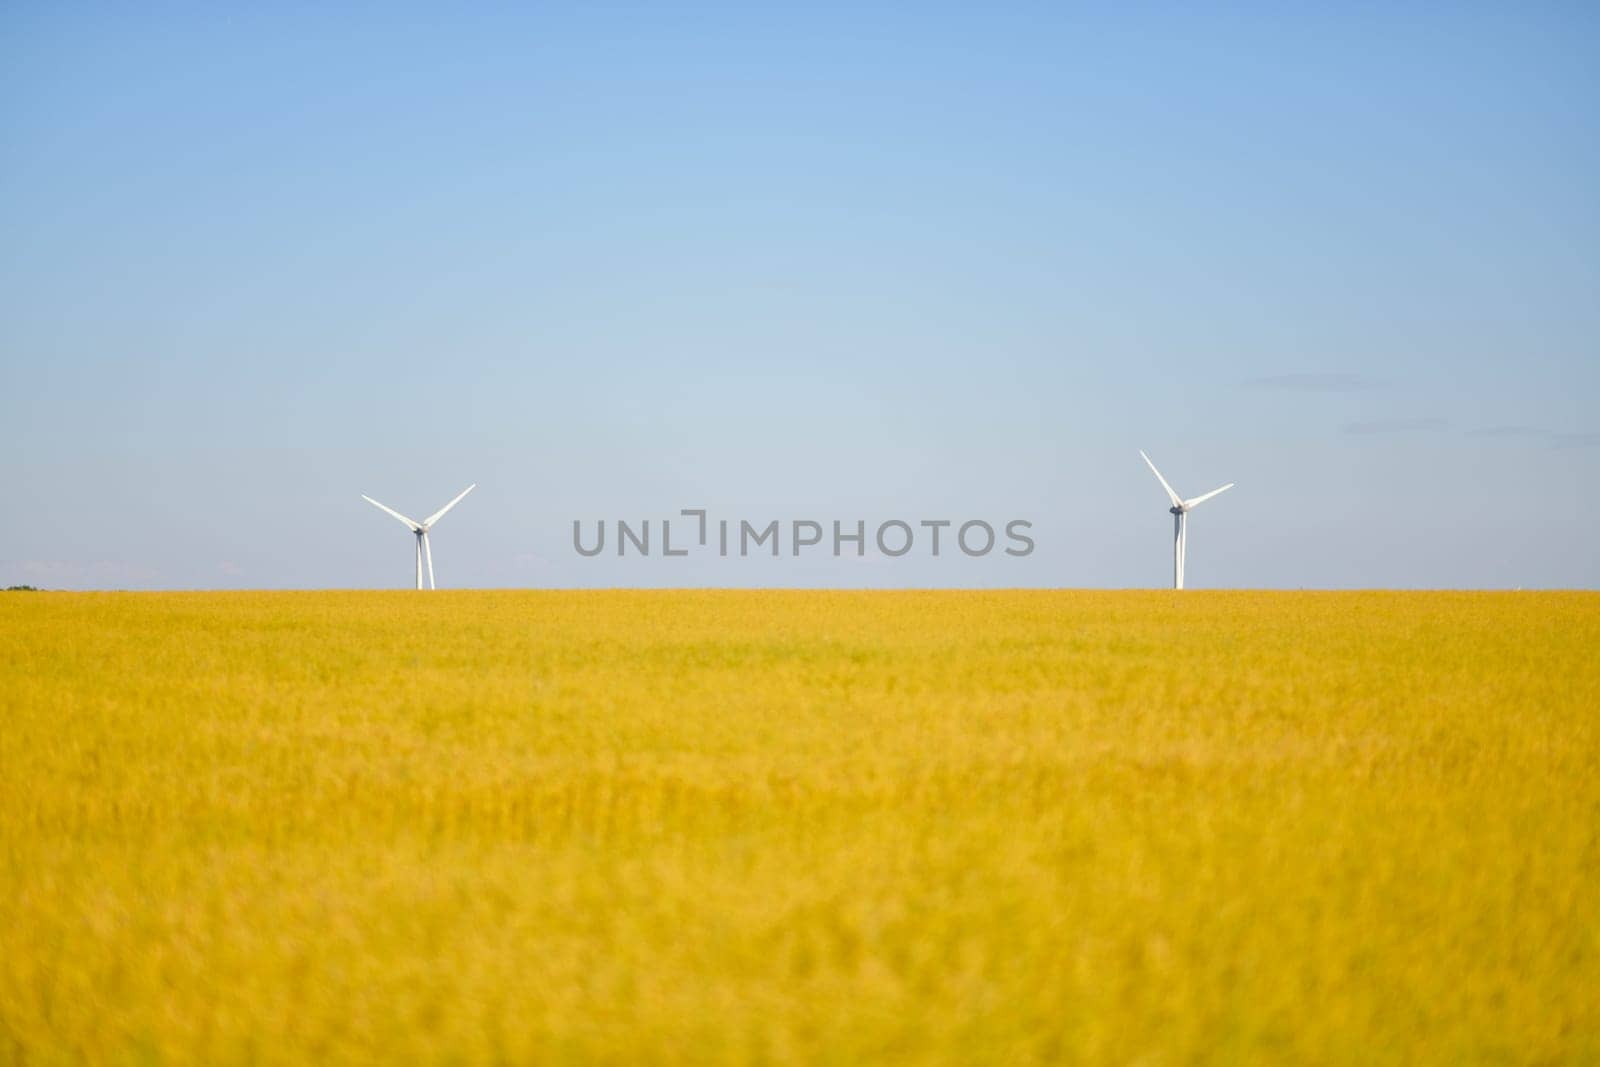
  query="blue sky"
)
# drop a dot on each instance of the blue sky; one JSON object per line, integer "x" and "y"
{"x": 814, "y": 261}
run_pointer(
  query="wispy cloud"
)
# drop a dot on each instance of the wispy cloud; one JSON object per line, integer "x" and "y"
{"x": 64, "y": 574}
{"x": 1507, "y": 431}
{"x": 1337, "y": 382}
{"x": 1586, "y": 439}
{"x": 1377, "y": 426}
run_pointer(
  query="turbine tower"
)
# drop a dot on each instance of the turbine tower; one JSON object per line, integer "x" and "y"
{"x": 1180, "y": 514}
{"x": 421, "y": 530}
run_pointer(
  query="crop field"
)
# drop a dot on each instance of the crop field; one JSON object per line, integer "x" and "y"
{"x": 786, "y": 826}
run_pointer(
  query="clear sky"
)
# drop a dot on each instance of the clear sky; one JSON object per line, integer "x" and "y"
{"x": 800, "y": 261}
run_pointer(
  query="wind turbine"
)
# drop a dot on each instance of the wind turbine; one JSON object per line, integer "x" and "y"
{"x": 421, "y": 530}
{"x": 1180, "y": 513}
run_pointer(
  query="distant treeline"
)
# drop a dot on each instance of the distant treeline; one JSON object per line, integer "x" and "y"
{"x": 23, "y": 589}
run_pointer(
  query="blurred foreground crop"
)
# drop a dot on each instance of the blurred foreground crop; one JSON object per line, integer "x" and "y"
{"x": 709, "y": 827}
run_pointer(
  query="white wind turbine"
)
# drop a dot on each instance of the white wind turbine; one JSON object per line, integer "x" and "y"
{"x": 1180, "y": 514}
{"x": 421, "y": 530}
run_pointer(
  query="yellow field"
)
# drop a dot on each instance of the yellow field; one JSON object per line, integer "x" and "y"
{"x": 800, "y": 826}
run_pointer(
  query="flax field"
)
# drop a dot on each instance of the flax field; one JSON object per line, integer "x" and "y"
{"x": 716, "y": 827}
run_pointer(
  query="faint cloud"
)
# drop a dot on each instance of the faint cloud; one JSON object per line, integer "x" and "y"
{"x": 1316, "y": 383}
{"x": 1575, "y": 440}
{"x": 1507, "y": 431}
{"x": 1378, "y": 426}
{"x": 103, "y": 574}
{"x": 230, "y": 568}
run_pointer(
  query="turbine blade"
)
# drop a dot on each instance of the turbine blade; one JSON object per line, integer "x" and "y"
{"x": 1207, "y": 496}
{"x": 414, "y": 527}
{"x": 437, "y": 515}
{"x": 1177, "y": 501}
